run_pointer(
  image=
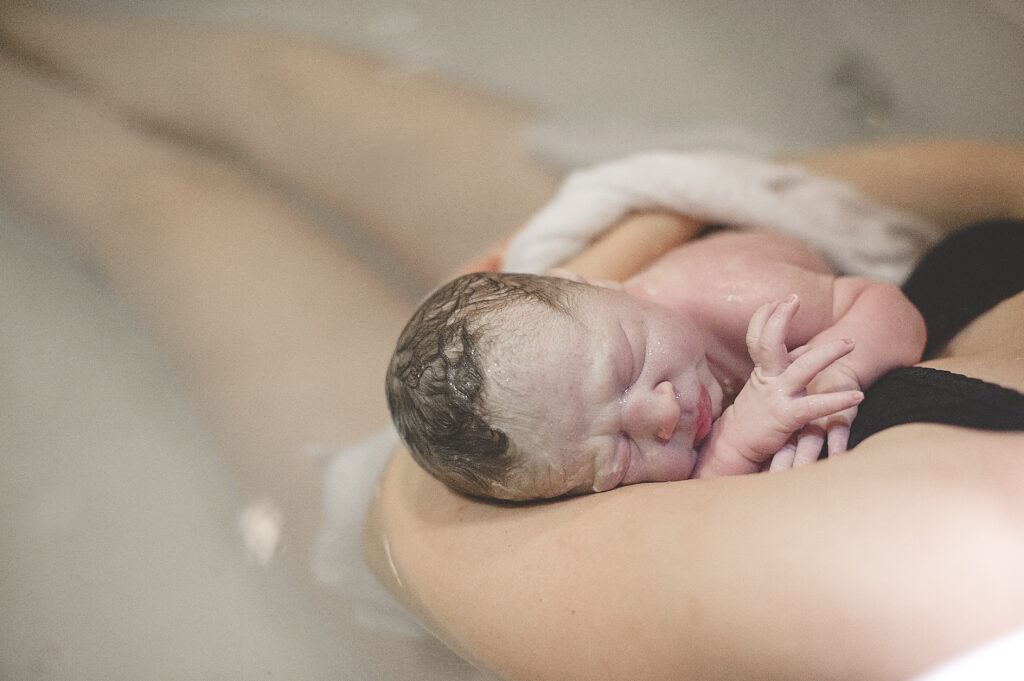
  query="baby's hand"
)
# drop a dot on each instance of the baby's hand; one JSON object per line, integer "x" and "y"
{"x": 774, "y": 404}
{"x": 835, "y": 428}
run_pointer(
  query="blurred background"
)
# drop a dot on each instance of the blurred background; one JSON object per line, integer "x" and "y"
{"x": 120, "y": 555}
{"x": 780, "y": 73}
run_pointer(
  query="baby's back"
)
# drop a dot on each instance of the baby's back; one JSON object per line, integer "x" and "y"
{"x": 724, "y": 277}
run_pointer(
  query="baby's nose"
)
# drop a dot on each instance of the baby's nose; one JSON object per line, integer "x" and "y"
{"x": 662, "y": 412}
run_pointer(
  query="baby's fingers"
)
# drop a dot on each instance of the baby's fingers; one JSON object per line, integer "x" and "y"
{"x": 783, "y": 459}
{"x": 797, "y": 353}
{"x": 766, "y": 335}
{"x": 838, "y": 436}
{"x": 821, "y": 405}
{"x": 757, "y": 321}
{"x": 808, "y": 445}
{"x": 812, "y": 362}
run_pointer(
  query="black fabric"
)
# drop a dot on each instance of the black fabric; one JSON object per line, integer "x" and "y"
{"x": 965, "y": 275}
{"x": 922, "y": 395}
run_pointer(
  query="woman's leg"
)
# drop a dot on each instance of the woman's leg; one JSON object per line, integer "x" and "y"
{"x": 436, "y": 172}
{"x": 145, "y": 144}
{"x": 282, "y": 336}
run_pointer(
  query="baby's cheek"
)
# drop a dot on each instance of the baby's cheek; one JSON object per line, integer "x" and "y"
{"x": 611, "y": 474}
{"x": 566, "y": 474}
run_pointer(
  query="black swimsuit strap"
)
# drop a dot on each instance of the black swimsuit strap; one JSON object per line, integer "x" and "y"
{"x": 923, "y": 395}
{"x": 968, "y": 273}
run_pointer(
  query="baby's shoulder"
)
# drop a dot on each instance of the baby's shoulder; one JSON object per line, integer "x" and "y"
{"x": 766, "y": 247}
{"x": 729, "y": 274}
{"x": 750, "y": 251}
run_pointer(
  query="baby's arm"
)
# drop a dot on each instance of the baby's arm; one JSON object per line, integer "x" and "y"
{"x": 773, "y": 403}
{"x": 889, "y": 333}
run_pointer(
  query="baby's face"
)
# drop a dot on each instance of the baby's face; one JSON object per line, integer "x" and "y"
{"x": 620, "y": 395}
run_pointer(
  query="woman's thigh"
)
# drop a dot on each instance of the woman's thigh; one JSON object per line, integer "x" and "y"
{"x": 434, "y": 171}
{"x": 280, "y": 334}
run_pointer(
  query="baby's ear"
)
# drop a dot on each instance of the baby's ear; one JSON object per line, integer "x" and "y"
{"x": 564, "y": 273}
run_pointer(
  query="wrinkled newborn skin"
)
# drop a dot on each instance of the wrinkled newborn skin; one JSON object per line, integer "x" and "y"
{"x": 620, "y": 394}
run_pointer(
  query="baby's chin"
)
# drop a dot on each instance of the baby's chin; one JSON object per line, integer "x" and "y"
{"x": 684, "y": 473}
{"x": 669, "y": 468}
{"x": 525, "y": 490}
{"x": 677, "y": 467}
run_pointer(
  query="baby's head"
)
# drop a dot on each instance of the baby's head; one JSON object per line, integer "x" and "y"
{"x": 441, "y": 382}
{"x": 518, "y": 387}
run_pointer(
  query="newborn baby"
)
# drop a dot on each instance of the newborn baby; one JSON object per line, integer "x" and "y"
{"x": 518, "y": 387}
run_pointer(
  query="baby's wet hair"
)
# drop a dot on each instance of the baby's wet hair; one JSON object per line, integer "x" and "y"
{"x": 436, "y": 384}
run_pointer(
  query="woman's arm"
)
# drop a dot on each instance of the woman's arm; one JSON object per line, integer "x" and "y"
{"x": 948, "y": 182}
{"x": 861, "y": 567}
{"x": 633, "y": 244}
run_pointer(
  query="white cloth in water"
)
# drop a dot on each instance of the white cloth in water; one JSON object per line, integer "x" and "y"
{"x": 858, "y": 236}
{"x": 350, "y": 476}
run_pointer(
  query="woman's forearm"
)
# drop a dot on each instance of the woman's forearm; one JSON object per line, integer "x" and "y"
{"x": 948, "y": 182}
{"x": 633, "y": 244}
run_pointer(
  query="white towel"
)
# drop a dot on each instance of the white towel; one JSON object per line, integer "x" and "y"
{"x": 350, "y": 476}
{"x": 857, "y": 235}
